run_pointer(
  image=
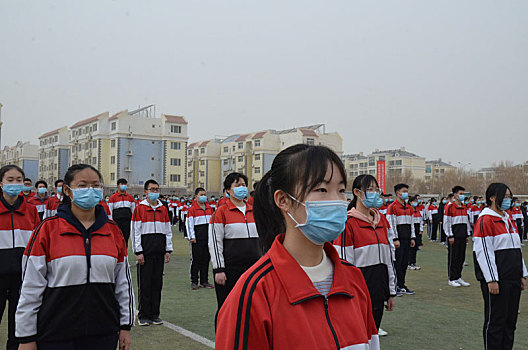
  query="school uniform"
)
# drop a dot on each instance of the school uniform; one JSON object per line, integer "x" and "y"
{"x": 434, "y": 219}
{"x": 400, "y": 217}
{"x": 366, "y": 246}
{"x": 233, "y": 245}
{"x": 122, "y": 206}
{"x": 184, "y": 207}
{"x": 418, "y": 224}
{"x": 76, "y": 283}
{"x": 221, "y": 202}
{"x": 457, "y": 226}
{"x": 383, "y": 209}
{"x": 17, "y": 221}
{"x": 106, "y": 208}
{"x": 517, "y": 217}
{"x": 498, "y": 258}
{"x": 152, "y": 237}
{"x": 53, "y": 205}
{"x": 474, "y": 213}
{"x": 197, "y": 223}
{"x": 277, "y": 306}
{"x": 212, "y": 204}
{"x": 40, "y": 203}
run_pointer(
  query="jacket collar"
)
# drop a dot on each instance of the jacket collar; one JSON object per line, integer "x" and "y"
{"x": 296, "y": 282}
{"x": 197, "y": 206}
{"x": 146, "y": 202}
{"x": 18, "y": 206}
{"x": 40, "y": 198}
{"x": 232, "y": 206}
{"x": 64, "y": 211}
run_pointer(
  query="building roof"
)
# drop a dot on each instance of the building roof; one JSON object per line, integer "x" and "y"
{"x": 230, "y": 138}
{"x": 53, "y": 132}
{"x": 192, "y": 145}
{"x": 354, "y": 156}
{"x": 87, "y": 121}
{"x": 205, "y": 143}
{"x": 401, "y": 152}
{"x": 116, "y": 115}
{"x": 175, "y": 119}
{"x": 311, "y": 127}
{"x": 439, "y": 162}
{"x": 242, "y": 137}
{"x": 308, "y": 132}
{"x": 258, "y": 135}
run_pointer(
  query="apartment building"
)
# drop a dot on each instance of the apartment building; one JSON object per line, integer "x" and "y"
{"x": 435, "y": 169}
{"x": 23, "y": 154}
{"x": 203, "y": 168}
{"x": 53, "y": 154}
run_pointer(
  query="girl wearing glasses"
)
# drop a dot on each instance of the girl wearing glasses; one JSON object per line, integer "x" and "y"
{"x": 76, "y": 286}
{"x": 300, "y": 294}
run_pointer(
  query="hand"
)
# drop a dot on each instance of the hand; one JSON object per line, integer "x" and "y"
{"x": 420, "y": 233}
{"x": 192, "y": 240}
{"x": 494, "y": 287}
{"x": 467, "y": 240}
{"x": 220, "y": 278}
{"x": 451, "y": 241}
{"x": 413, "y": 243}
{"x": 167, "y": 258}
{"x": 124, "y": 340}
{"x": 140, "y": 259}
{"x": 28, "y": 346}
{"x": 396, "y": 244}
{"x": 390, "y": 304}
{"x": 523, "y": 283}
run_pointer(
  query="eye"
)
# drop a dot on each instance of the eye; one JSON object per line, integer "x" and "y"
{"x": 321, "y": 190}
{"x": 342, "y": 190}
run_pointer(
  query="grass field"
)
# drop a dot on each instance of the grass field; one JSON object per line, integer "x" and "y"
{"x": 437, "y": 317}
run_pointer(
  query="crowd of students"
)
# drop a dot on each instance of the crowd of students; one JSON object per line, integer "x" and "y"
{"x": 292, "y": 249}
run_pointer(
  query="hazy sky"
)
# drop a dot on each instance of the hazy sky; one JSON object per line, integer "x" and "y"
{"x": 443, "y": 78}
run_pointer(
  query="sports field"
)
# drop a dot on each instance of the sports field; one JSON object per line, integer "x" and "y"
{"x": 438, "y": 317}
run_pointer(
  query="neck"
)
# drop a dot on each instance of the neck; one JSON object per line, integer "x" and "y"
{"x": 202, "y": 205}
{"x": 401, "y": 201}
{"x": 237, "y": 202}
{"x": 362, "y": 209}
{"x": 301, "y": 249}
{"x": 42, "y": 195}
{"x": 458, "y": 202}
{"x": 26, "y": 192}
{"x": 86, "y": 217}
{"x": 121, "y": 192}
{"x": 10, "y": 200}
{"x": 497, "y": 209}
{"x": 153, "y": 203}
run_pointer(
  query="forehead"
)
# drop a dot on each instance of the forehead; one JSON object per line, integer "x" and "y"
{"x": 86, "y": 175}
{"x": 12, "y": 173}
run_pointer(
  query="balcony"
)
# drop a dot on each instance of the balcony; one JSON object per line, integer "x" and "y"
{"x": 129, "y": 153}
{"x": 128, "y": 170}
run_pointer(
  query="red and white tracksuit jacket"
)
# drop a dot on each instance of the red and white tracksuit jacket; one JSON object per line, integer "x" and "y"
{"x": 121, "y": 206}
{"x": 197, "y": 222}
{"x": 418, "y": 220}
{"x": 400, "y": 217}
{"x": 40, "y": 203}
{"x": 474, "y": 212}
{"x": 76, "y": 282}
{"x": 275, "y": 305}
{"x": 367, "y": 247}
{"x": 52, "y": 205}
{"x": 212, "y": 204}
{"x": 233, "y": 238}
{"x": 517, "y": 216}
{"x": 497, "y": 248}
{"x": 456, "y": 221}
{"x": 150, "y": 229}
{"x": 383, "y": 209}
{"x": 221, "y": 202}
{"x": 432, "y": 210}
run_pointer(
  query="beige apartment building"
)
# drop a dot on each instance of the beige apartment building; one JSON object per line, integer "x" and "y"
{"x": 435, "y": 169}
{"x": 24, "y": 155}
{"x": 203, "y": 168}
{"x": 54, "y": 155}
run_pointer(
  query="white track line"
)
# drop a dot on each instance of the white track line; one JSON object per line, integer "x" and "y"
{"x": 189, "y": 334}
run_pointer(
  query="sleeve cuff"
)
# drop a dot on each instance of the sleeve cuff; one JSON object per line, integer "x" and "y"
{"x": 125, "y": 327}
{"x": 138, "y": 253}
{"x": 396, "y": 239}
{"x": 218, "y": 270}
{"x": 168, "y": 251}
{"x": 25, "y": 340}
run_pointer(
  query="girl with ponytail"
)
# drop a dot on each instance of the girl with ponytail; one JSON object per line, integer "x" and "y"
{"x": 365, "y": 243}
{"x": 300, "y": 294}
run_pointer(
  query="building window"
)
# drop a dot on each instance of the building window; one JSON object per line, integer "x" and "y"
{"x": 175, "y": 177}
{"x": 398, "y": 162}
{"x": 225, "y": 161}
{"x": 94, "y": 161}
{"x": 257, "y": 170}
{"x": 112, "y": 143}
{"x": 202, "y": 150}
{"x": 240, "y": 158}
{"x": 381, "y": 158}
{"x": 202, "y": 162}
{"x": 310, "y": 141}
{"x": 240, "y": 145}
{"x": 257, "y": 156}
{"x": 372, "y": 172}
{"x": 202, "y": 173}
{"x": 257, "y": 143}
{"x": 226, "y": 149}
{"x": 175, "y": 145}
{"x": 113, "y": 126}
{"x": 363, "y": 165}
{"x": 372, "y": 161}
{"x": 112, "y": 160}
{"x": 94, "y": 127}
{"x": 234, "y": 148}
{"x": 94, "y": 144}
{"x": 112, "y": 176}
{"x": 190, "y": 152}
{"x": 176, "y": 129}
{"x": 175, "y": 161}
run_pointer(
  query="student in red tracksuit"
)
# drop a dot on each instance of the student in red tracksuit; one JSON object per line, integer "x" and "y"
{"x": 26, "y": 190}
{"x": 76, "y": 291}
{"x": 55, "y": 201}
{"x": 122, "y": 205}
{"x": 300, "y": 294}
{"x": 457, "y": 229}
{"x": 41, "y": 198}
{"x": 418, "y": 222}
{"x": 223, "y": 200}
{"x": 517, "y": 215}
{"x": 365, "y": 244}
{"x": 18, "y": 218}
{"x": 152, "y": 243}
{"x": 500, "y": 268}
{"x": 434, "y": 220}
{"x": 197, "y": 222}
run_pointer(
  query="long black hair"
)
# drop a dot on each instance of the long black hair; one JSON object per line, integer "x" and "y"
{"x": 70, "y": 175}
{"x": 8, "y": 167}
{"x": 497, "y": 190}
{"x": 362, "y": 182}
{"x": 297, "y": 170}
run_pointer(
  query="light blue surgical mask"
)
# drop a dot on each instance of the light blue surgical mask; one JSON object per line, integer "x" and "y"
{"x": 123, "y": 187}
{"x": 444, "y": 201}
{"x": 42, "y": 190}
{"x": 59, "y": 190}
{"x": 202, "y": 199}
{"x": 414, "y": 204}
{"x": 419, "y": 201}
{"x": 379, "y": 203}
{"x": 227, "y": 195}
{"x": 506, "y": 204}
{"x": 461, "y": 197}
{"x": 325, "y": 220}
{"x": 12, "y": 190}
{"x": 371, "y": 199}
{"x": 26, "y": 188}
{"x": 405, "y": 196}
{"x": 386, "y": 200}
{"x": 240, "y": 192}
{"x": 153, "y": 196}
{"x": 87, "y": 198}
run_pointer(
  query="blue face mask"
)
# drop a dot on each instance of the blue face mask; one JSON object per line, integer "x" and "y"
{"x": 414, "y": 204}
{"x": 325, "y": 220}
{"x": 444, "y": 201}
{"x": 405, "y": 196}
{"x": 123, "y": 187}
{"x": 42, "y": 190}
{"x": 506, "y": 204}
{"x": 386, "y": 200}
{"x": 202, "y": 199}
{"x": 240, "y": 192}
{"x": 87, "y": 198}
{"x": 371, "y": 199}
{"x": 461, "y": 198}
{"x": 379, "y": 204}
{"x": 153, "y": 196}
{"x": 227, "y": 195}
{"x": 59, "y": 190}
{"x": 12, "y": 190}
{"x": 419, "y": 201}
{"x": 26, "y": 188}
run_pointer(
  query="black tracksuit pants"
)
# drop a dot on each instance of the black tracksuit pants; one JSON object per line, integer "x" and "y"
{"x": 402, "y": 260}
{"x": 200, "y": 261}
{"x": 456, "y": 255}
{"x": 377, "y": 312}
{"x": 10, "y": 292}
{"x": 500, "y": 314}
{"x": 150, "y": 282}
{"x": 414, "y": 250}
{"x": 434, "y": 230}
{"x": 233, "y": 273}
{"x": 124, "y": 226}
{"x": 108, "y": 342}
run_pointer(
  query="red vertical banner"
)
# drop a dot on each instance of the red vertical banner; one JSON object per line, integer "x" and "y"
{"x": 380, "y": 174}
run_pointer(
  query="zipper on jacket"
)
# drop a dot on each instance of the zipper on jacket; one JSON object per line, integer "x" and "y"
{"x": 330, "y": 322}
{"x": 88, "y": 260}
{"x": 379, "y": 248}
{"x": 13, "y": 229}
{"x": 247, "y": 226}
